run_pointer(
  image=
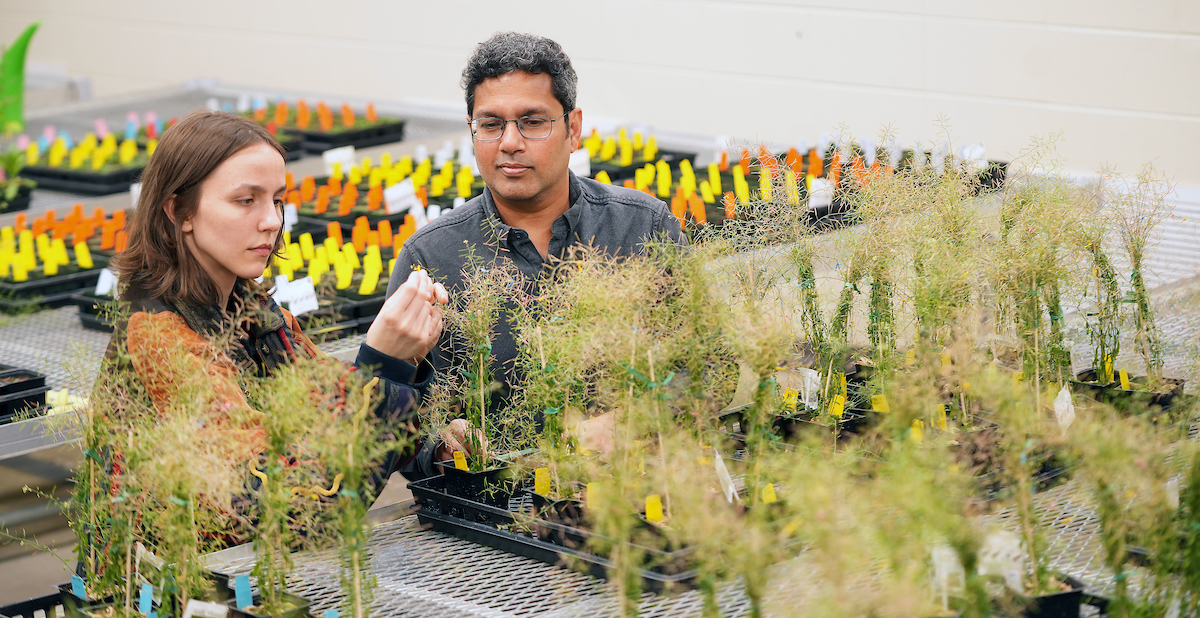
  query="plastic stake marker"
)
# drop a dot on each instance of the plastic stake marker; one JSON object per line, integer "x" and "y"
{"x": 241, "y": 591}
{"x": 879, "y": 403}
{"x": 793, "y": 190}
{"x": 714, "y": 178}
{"x": 650, "y": 152}
{"x": 730, "y": 204}
{"x": 460, "y": 460}
{"x": 370, "y": 281}
{"x": 837, "y": 406}
{"x": 145, "y": 598}
{"x": 1124, "y": 379}
{"x": 939, "y": 418}
{"x": 768, "y": 493}
{"x": 331, "y": 613}
{"x": 77, "y": 587}
{"x": 790, "y": 397}
{"x": 917, "y": 432}
{"x": 603, "y": 177}
{"x": 541, "y": 481}
{"x": 83, "y": 257}
{"x": 654, "y": 508}
{"x": 662, "y": 174}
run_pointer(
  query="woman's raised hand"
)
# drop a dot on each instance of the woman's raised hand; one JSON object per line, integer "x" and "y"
{"x": 410, "y": 322}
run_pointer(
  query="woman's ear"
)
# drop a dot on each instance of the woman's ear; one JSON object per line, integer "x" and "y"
{"x": 186, "y": 226}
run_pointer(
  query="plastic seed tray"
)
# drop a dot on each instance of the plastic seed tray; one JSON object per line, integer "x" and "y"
{"x": 386, "y": 132}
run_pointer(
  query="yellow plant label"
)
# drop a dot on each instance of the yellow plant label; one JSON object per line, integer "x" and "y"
{"x": 768, "y": 493}
{"x": 837, "y": 406}
{"x": 603, "y": 177}
{"x": 345, "y": 274}
{"x": 651, "y": 150}
{"x": 945, "y": 359}
{"x": 1108, "y": 369}
{"x": 541, "y": 481}
{"x": 706, "y": 193}
{"x": 351, "y": 255}
{"x": 842, "y": 385}
{"x": 306, "y": 247}
{"x": 1124, "y": 379}
{"x": 460, "y": 460}
{"x": 714, "y": 178}
{"x": 790, "y": 395}
{"x": 879, "y": 403}
{"x": 917, "y": 431}
{"x": 369, "y": 281}
{"x": 83, "y": 257}
{"x": 19, "y": 273}
{"x": 654, "y": 508}
{"x": 910, "y": 358}
{"x": 593, "y": 496}
{"x": 939, "y": 418}
{"x": 337, "y": 170}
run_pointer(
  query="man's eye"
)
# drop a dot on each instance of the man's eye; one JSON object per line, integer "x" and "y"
{"x": 533, "y": 123}
{"x": 490, "y": 125}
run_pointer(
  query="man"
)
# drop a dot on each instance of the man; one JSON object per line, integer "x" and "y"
{"x": 520, "y": 92}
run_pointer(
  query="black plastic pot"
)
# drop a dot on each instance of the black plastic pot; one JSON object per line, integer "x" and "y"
{"x": 300, "y": 607}
{"x": 789, "y": 428}
{"x": 20, "y": 202}
{"x": 493, "y": 486}
{"x": 387, "y": 131}
{"x": 26, "y": 608}
{"x": 1133, "y": 401}
{"x": 1063, "y": 604}
{"x": 18, "y": 380}
{"x": 23, "y": 403}
{"x": 77, "y": 607}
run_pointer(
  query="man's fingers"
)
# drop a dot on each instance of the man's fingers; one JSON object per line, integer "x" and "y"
{"x": 443, "y": 297}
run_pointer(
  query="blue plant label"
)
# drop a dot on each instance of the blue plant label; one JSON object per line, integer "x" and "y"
{"x": 331, "y": 613}
{"x": 66, "y": 137}
{"x": 152, "y": 614}
{"x": 77, "y": 588}
{"x": 131, "y": 129}
{"x": 145, "y": 598}
{"x": 241, "y": 591}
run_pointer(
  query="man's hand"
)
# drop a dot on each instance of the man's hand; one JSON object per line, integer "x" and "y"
{"x": 410, "y": 322}
{"x": 454, "y": 438}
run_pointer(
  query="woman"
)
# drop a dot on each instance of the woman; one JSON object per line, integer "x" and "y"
{"x": 207, "y": 222}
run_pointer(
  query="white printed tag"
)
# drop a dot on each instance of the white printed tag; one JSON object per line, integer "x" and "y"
{"x": 400, "y": 197}
{"x": 205, "y": 609}
{"x": 304, "y": 297}
{"x": 581, "y": 163}
{"x": 107, "y": 284}
{"x": 1064, "y": 409}
{"x": 290, "y": 217}
{"x": 1002, "y": 555}
{"x": 724, "y": 478}
{"x": 810, "y": 386}
{"x": 822, "y": 193}
{"x": 344, "y": 155}
{"x": 949, "y": 577}
{"x": 1173, "y": 494}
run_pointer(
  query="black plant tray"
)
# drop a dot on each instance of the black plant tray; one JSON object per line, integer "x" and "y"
{"x": 317, "y": 142}
{"x": 1132, "y": 401}
{"x": 20, "y": 201}
{"x": 87, "y": 183}
{"x": 23, "y": 304}
{"x": 616, "y": 171}
{"x": 330, "y": 332}
{"x": 17, "y": 380}
{"x": 31, "y": 402}
{"x": 77, "y": 607}
{"x": 519, "y": 534}
{"x": 48, "y": 286}
{"x": 358, "y": 307}
{"x": 26, "y": 608}
{"x": 92, "y": 321}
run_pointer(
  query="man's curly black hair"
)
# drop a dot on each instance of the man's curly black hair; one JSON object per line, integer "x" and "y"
{"x": 506, "y": 52}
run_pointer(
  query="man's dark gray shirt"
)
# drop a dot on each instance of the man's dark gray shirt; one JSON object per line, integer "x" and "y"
{"x": 616, "y": 220}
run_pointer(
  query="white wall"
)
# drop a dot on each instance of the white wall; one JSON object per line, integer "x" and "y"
{"x": 1121, "y": 79}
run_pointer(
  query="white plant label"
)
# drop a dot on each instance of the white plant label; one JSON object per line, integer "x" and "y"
{"x": 205, "y": 609}
{"x": 135, "y": 191}
{"x": 291, "y": 216}
{"x": 466, "y": 154}
{"x": 434, "y": 212}
{"x": 420, "y": 154}
{"x": 459, "y": 201}
{"x": 810, "y": 386}
{"x": 243, "y": 103}
{"x": 300, "y": 295}
{"x": 724, "y": 478}
{"x": 400, "y": 197}
{"x": 1064, "y": 409}
{"x": 1002, "y": 555}
{"x": 581, "y": 163}
{"x": 107, "y": 283}
{"x": 949, "y": 577}
{"x": 822, "y": 193}
{"x": 1173, "y": 494}
{"x": 419, "y": 213}
{"x": 444, "y": 155}
{"x": 344, "y": 155}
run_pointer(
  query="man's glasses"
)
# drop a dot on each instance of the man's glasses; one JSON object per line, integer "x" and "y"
{"x": 488, "y": 129}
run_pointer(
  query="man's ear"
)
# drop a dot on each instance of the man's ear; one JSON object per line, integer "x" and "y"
{"x": 169, "y": 208}
{"x": 576, "y": 118}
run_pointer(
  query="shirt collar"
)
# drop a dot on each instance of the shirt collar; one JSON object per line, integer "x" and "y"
{"x": 500, "y": 229}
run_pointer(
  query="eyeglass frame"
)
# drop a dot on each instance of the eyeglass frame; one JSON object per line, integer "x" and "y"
{"x": 472, "y": 121}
